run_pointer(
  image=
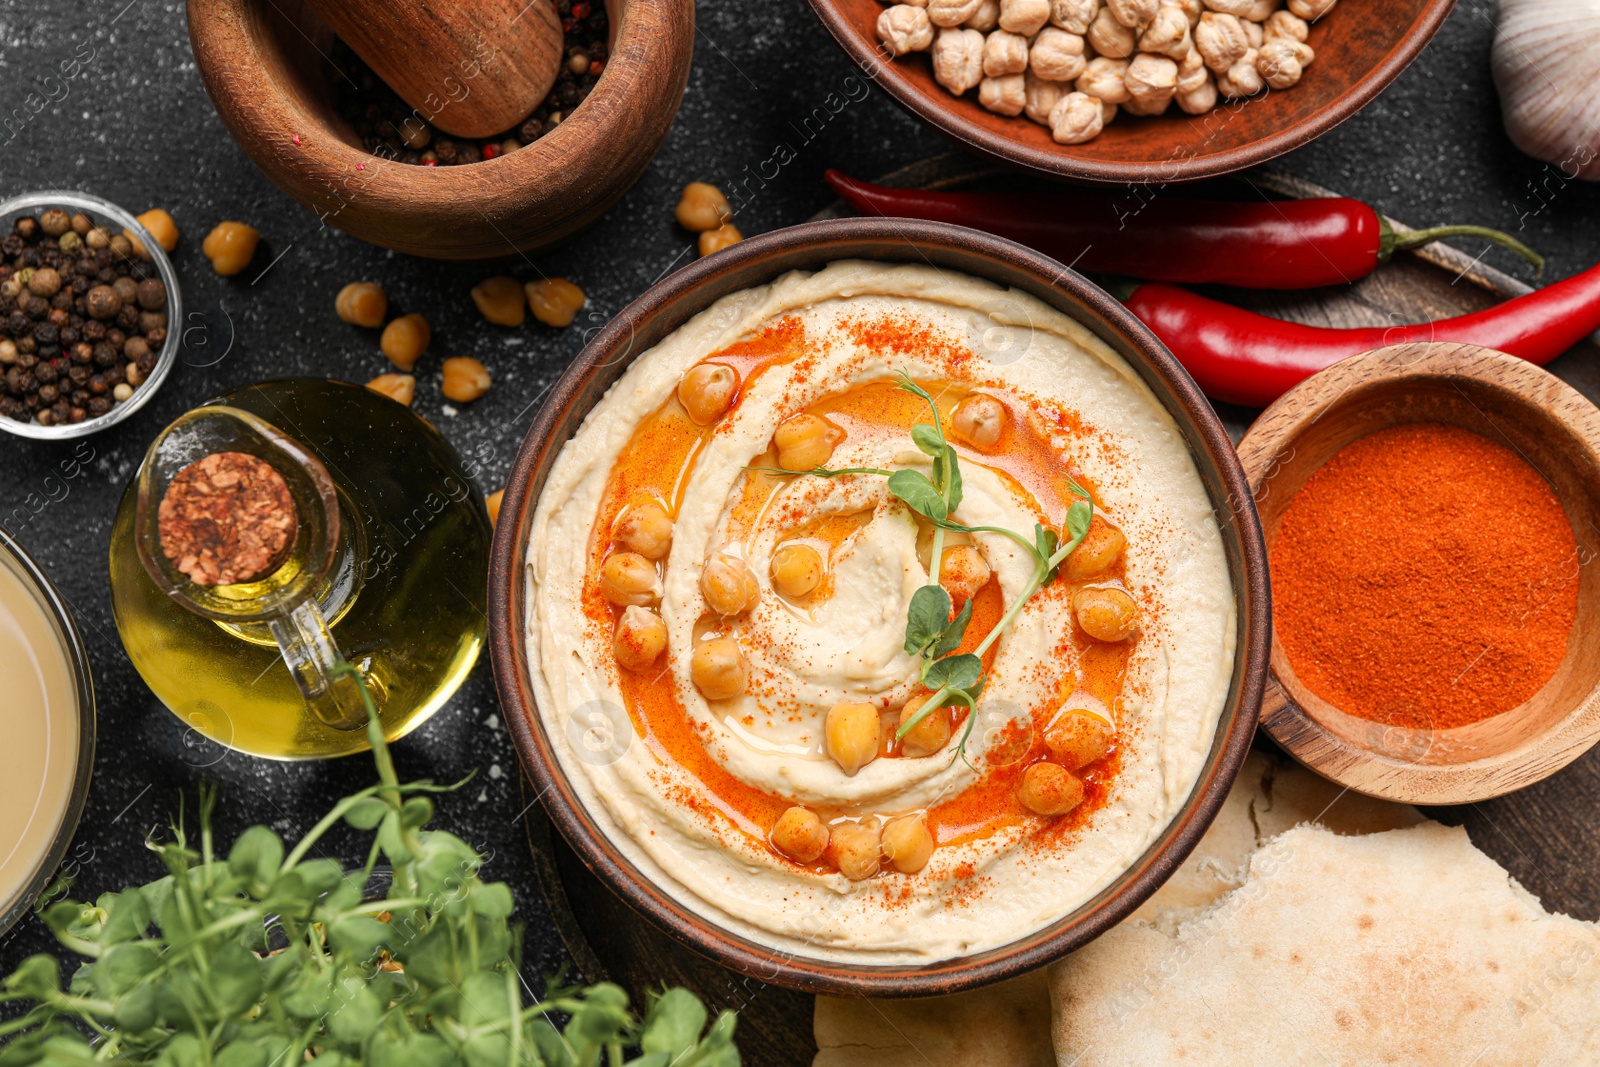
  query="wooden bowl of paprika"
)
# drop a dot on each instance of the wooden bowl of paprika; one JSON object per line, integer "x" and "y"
{"x": 1429, "y": 511}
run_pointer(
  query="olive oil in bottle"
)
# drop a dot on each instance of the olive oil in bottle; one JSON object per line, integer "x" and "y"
{"x": 385, "y": 572}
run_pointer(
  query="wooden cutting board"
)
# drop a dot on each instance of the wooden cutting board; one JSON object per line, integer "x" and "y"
{"x": 1547, "y": 835}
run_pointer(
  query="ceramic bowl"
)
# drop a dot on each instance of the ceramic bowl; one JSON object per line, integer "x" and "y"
{"x": 760, "y": 260}
{"x": 263, "y": 64}
{"x": 116, "y": 219}
{"x": 1360, "y": 48}
{"x": 1508, "y": 400}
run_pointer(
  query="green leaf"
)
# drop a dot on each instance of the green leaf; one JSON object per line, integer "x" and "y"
{"x": 926, "y": 618}
{"x": 408, "y": 1049}
{"x": 1045, "y": 540}
{"x": 358, "y": 1016}
{"x": 366, "y": 813}
{"x": 242, "y": 1054}
{"x": 256, "y": 856}
{"x": 359, "y": 935}
{"x": 918, "y": 493}
{"x": 956, "y": 672}
{"x": 416, "y": 812}
{"x": 1079, "y": 516}
{"x": 953, "y": 488}
{"x": 391, "y": 841}
{"x": 950, "y": 639}
{"x": 311, "y": 995}
{"x": 599, "y": 1020}
{"x": 124, "y": 966}
{"x": 182, "y": 1051}
{"x": 493, "y": 900}
{"x": 928, "y": 438}
{"x": 128, "y": 916}
{"x": 38, "y": 977}
{"x": 717, "y": 1050}
{"x": 484, "y": 1000}
{"x": 135, "y": 1010}
{"x": 234, "y": 980}
{"x": 673, "y": 1022}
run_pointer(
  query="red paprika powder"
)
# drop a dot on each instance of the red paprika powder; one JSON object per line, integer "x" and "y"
{"x": 1425, "y": 576}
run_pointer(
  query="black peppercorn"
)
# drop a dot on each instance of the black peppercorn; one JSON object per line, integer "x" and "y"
{"x": 49, "y": 394}
{"x": 97, "y": 385}
{"x": 78, "y": 374}
{"x": 46, "y": 373}
{"x": 104, "y": 354}
{"x": 128, "y": 317}
{"x": 82, "y": 352}
{"x": 99, "y": 405}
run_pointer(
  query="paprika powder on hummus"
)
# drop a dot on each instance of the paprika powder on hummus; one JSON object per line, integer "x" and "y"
{"x": 1425, "y": 576}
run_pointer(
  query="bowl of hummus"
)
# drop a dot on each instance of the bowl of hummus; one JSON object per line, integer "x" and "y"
{"x": 879, "y": 608}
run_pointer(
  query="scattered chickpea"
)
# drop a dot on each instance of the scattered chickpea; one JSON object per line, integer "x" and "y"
{"x": 362, "y": 304}
{"x": 805, "y": 442}
{"x": 639, "y": 639}
{"x": 499, "y": 300}
{"x": 707, "y": 391}
{"x": 702, "y": 207}
{"x": 1078, "y": 737}
{"x": 555, "y": 301}
{"x": 401, "y": 388}
{"x": 1106, "y": 613}
{"x": 1049, "y": 790}
{"x": 229, "y": 247}
{"x": 800, "y": 835}
{"x": 856, "y": 850}
{"x": 963, "y": 571}
{"x": 465, "y": 379}
{"x": 852, "y": 732}
{"x": 718, "y": 669}
{"x": 729, "y": 586}
{"x": 979, "y": 419}
{"x": 405, "y": 339}
{"x": 1097, "y": 552}
{"x": 628, "y": 578}
{"x": 161, "y": 227}
{"x": 928, "y": 736}
{"x": 492, "y": 502}
{"x": 646, "y": 529}
{"x": 797, "y": 570}
{"x": 718, "y": 239}
{"x": 907, "y": 844}
{"x": 121, "y": 392}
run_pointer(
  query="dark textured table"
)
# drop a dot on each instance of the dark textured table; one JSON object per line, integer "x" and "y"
{"x": 136, "y": 127}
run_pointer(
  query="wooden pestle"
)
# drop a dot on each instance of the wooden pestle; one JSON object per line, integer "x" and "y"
{"x": 472, "y": 68}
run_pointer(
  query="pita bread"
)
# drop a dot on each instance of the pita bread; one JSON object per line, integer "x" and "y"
{"x": 1006, "y": 1025}
{"x": 1403, "y": 947}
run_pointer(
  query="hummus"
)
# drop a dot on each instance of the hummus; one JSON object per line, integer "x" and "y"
{"x": 653, "y": 525}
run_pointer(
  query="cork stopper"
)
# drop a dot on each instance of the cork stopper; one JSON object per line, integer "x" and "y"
{"x": 227, "y": 519}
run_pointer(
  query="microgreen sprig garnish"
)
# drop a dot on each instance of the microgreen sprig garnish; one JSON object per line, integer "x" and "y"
{"x": 932, "y": 634}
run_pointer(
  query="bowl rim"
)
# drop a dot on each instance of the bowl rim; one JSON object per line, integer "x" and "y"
{"x": 882, "y": 70}
{"x": 689, "y": 291}
{"x": 55, "y": 606}
{"x": 1283, "y": 718}
{"x": 89, "y": 203}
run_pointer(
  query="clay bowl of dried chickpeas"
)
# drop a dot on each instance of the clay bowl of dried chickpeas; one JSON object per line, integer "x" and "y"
{"x": 265, "y": 65}
{"x": 1137, "y": 91}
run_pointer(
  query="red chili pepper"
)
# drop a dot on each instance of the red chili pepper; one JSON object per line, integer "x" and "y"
{"x": 1241, "y": 357}
{"x": 1277, "y": 244}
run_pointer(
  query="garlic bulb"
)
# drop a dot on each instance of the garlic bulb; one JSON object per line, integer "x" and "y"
{"x": 1544, "y": 59}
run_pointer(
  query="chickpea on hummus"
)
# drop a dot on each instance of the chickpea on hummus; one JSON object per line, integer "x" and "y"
{"x": 776, "y": 755}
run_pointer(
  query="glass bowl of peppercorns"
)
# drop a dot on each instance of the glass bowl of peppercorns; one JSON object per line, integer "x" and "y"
{"x": 88, "y": 300}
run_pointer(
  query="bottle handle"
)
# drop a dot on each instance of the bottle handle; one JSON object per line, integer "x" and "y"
{"x": 325, "y": 680}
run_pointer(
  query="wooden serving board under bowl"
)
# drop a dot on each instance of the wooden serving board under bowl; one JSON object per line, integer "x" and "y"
{"x": 1545, "y": 835}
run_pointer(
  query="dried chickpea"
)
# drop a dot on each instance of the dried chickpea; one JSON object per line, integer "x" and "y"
{"x": 986, "y": 19}
{"x": 1077, "y": 738}
{"x": 1005, "y": 95}
{"x": 928, "y": 736}
{"x": 852, "y": 732}
{"x": 405, "y": 339}
{"x": 1168, "y": 34}
{"x": 1134, "y": 14}
{"x": 646, "y": 529}
{"x": 1242, "y": 79}
{"x": 1221, "y": 41}
{"x": 1103, "y": 79}
{"x": 1278, "y": 62}
{"x": 907, "y": 844}
{"x": 1049, "y": 790}
{"x": 797, "y": 570}
{"x": 963, "y": 571}
{"x": 957, "y": 58}
{"x": 948, "y": 14}
{"x": 1310, "y": 10}
{"x": 707, "y": 391}
{"x": 230, "y": 247}
{"x": 1074, "y": 16}
{"x": 1004, "y": 53}
{"x": 804, "y": 442}
{"x": 1106, "y": 613}
{"x": 639, "y": 639}
{"x": 492, "y": 503}
{"x": 1098, "y": 550}
{"x": 554, "y": 301}
{"x": 1199, "y": 99}
{"x": 855, "y": 850}
{"x": 1287, "y": 24}
{"x": 979, "y": 420}
{"x": 1025, "y": 17}
{"x": 903, "y": 29}
{"x": 161, "y": 227}
{"x": 1057, "y": 55}
{"x": 718, "y": 239}
{"x": 1041, "y": 96}
{"x": 1109, "y": 38}
{"x": 401, "y": 388}
{"x": 800, "y": 835}
{"x": 628, "y": 578}
{"x": 718, "y": 669}
{"x": 499, "y": 300}
{"x": 729, "y": 585}
{"x": 702, "y": 207}
{"x": 362, "y": 304}
{"x": 465, "y": 379}
{"x": 1151, "y": 81}
{"x": 1076, "y": 118}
